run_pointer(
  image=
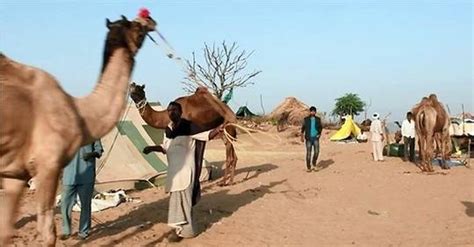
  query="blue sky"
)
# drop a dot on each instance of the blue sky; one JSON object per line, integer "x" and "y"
{"x": 390, "y": 52}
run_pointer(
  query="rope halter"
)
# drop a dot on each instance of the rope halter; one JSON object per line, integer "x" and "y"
{"x": 141, "y": 104}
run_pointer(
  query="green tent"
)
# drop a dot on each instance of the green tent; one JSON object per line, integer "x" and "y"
{"x": 244, "y": 112}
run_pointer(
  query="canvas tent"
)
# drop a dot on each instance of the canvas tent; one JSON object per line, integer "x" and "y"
{"x": 349, "y": 128}
{"x": 123, "y": 162}
{"x": 461, "y": 127}
{"x": 244, "y": 112}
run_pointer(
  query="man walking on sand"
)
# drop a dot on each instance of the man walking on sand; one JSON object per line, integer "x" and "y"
{"x": 310, "y": 132}
{"x": 377, "y": 138}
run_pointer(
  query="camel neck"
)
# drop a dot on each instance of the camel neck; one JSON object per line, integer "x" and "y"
{"x": 102, "y": 108}
{"x": 156, "y": 119}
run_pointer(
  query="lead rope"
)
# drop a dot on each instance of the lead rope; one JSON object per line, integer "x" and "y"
{"x": 171, "y": 54}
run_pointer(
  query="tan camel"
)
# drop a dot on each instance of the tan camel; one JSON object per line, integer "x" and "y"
{"x": 432, "y": 126}
{"x": 201, "y": 108}
{"x": 42, "y": 126}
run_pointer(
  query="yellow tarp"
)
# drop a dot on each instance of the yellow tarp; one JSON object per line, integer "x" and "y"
{"x": 348, "y": 128}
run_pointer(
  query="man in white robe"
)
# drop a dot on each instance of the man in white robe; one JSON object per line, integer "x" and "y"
{"x": 179, "y": 146}
{"x": 377, "y": 138}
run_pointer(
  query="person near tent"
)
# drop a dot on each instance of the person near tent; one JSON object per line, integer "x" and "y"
{"x": 376, "y": 137}
{"x": 408, "y": 133}
{"x": 79, "y": 180}
{"x": 179, "y": 146}
{"x": 310, "y": 132}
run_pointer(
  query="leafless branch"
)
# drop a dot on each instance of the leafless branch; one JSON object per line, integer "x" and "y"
{"x": 222, "y": 70}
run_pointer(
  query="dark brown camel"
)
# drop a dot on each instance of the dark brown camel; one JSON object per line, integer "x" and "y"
{"x": 432, "y": 126}
{"x": 201, "y": 108}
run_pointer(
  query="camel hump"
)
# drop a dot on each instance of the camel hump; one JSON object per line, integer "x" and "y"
{"x": 202, "y": 90}
{"x": 434, "y": 99}
{"x": 3, "y": 58}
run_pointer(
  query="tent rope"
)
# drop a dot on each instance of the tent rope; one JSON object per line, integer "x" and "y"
{"x": 171, "y": 54}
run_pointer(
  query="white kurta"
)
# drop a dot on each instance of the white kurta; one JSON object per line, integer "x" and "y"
{"x": 408, "y": 128}
{"x": 180, "y": 153}
{"x": 376, "y": 131}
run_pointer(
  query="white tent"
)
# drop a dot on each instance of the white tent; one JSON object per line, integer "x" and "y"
{"x": 123, "y": 162}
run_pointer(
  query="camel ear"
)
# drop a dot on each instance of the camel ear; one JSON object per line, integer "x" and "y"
{"x": 143, "y": 87}
{"x": 107, "y": 23}
{"x": 124, "y": 18}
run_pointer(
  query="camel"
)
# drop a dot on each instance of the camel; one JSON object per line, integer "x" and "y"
{"x": 432, "y": 126}
{"x": 201, "y": 108}
{"x": 42, "y": 126}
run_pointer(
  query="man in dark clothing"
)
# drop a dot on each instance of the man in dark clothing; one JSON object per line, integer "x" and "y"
{"x": 311, "y": 131}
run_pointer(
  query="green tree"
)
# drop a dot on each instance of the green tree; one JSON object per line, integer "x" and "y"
{"x": 349, "y": 104}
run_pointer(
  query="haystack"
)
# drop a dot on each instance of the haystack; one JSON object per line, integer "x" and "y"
{"x": 292, "y": 109}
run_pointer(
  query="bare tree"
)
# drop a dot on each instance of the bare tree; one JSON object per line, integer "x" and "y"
{"x": 223, "y": 69}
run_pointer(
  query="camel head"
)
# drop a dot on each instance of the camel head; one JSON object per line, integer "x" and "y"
{"x": 130, "y": 34}
{"x": 137, "y": 92}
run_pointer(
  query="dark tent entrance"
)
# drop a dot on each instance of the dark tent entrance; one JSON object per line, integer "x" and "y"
{"x": 244, "y": 112}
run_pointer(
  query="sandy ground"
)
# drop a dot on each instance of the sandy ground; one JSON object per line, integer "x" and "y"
{"x": 350, "y": 200}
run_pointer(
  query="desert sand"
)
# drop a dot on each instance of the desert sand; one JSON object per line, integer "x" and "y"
{"x": 350, "y": 200}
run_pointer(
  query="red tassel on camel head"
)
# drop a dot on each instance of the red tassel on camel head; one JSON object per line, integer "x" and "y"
{"x": 145, "y": 19}
{"x": 144, "y": 13}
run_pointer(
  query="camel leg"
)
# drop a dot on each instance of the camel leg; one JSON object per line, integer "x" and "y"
{"x": 46, "y": 195}
{"x": 445, "y": 150}
{"x": 421, "y": 160}
{"x": 231, "y": 155}
{"x": 231, "y": 158}
{"x": 232, "y": 162}
{"x": 227, "y": 164}
{"x": 9, "y": 201}
{"x": 223, "y": 182}
{"x": 429, "y": 153}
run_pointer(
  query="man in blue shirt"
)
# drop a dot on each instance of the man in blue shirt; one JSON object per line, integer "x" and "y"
{"x": 79, "y": 179}
{"x": 311, "y": 131}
